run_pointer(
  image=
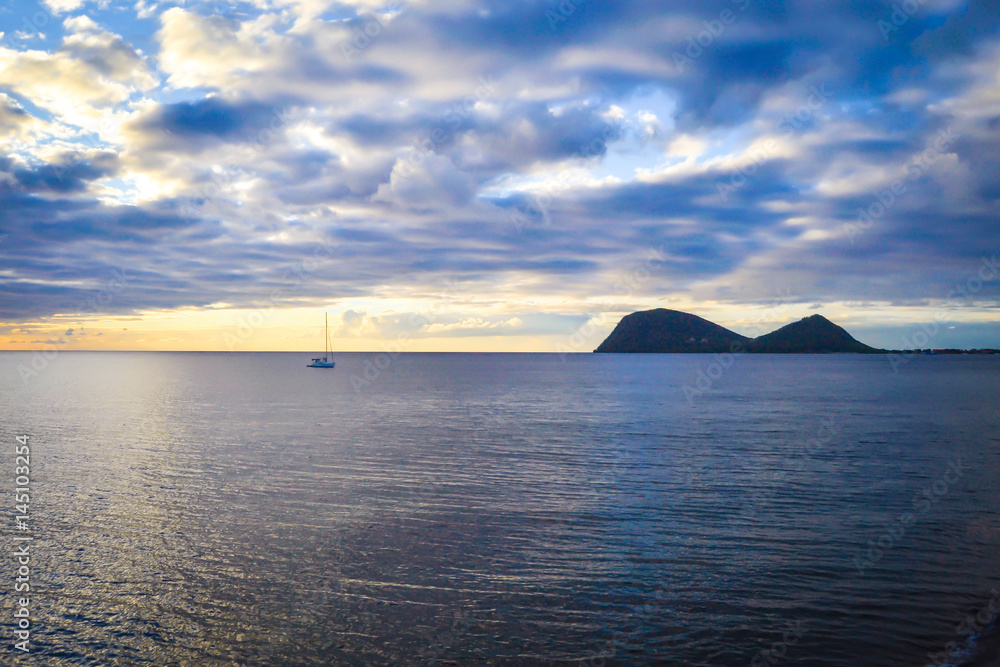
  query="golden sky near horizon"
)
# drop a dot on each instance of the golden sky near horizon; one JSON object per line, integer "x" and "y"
{"x": 416, "y": 327}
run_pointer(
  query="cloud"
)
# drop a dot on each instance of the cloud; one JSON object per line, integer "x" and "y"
{"x": 15, "y": 122}
{"x": 432, "y": 182}
{"x": 191, "y": 126}
{"x": 359, "y": 324}
{"x": 484, "y": 142}
{"x": 474, "y": 326}
{"x": 67, "y": 173}
{"x": 215, "y": 52}
{"x": 62, "y": 6}
{"x": 92, "y": 68}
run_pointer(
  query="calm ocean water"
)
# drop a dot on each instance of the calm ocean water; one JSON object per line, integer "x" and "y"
{"x": 241, "y": 509}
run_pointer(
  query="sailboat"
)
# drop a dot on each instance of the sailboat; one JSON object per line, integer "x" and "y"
{"x": 324, "y": 361}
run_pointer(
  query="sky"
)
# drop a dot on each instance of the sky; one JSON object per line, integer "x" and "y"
{"x": 461, "y": 175}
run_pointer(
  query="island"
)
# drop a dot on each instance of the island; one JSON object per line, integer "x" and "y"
{"x": 813, "y": 334}
{"x": 662, "y": 330}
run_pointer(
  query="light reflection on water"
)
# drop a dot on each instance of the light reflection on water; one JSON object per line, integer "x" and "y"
{"x": 200, "y": 509}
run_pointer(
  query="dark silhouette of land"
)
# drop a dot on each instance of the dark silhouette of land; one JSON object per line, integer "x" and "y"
{"x": 663, "y": 330}
{"x": 812, "y": 334}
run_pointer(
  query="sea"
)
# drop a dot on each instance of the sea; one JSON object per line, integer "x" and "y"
{"x": 500, "y": 509}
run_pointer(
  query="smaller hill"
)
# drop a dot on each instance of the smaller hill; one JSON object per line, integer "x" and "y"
{"x": 812, "y": 334}
{"x": 663, "y": 330}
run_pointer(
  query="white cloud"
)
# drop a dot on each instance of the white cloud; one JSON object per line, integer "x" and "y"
{"x": 61, "y": 6}
{"x": 474, "y": 324}
{"x": 216, "y": 52}
{"x": 92, "y": 69}
{"x": 979, "y": 102}
{"x": 15, "y": 122}
{"x": 433, "y": 181}
{"x": 145, "y": 10}
{"x": 357, "y": 324}
{"x": 360, "y": 324}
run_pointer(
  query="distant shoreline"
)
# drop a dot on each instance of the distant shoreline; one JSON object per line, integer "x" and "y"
{"x": 665, "y": 331}
{"x": 946, "y": 352}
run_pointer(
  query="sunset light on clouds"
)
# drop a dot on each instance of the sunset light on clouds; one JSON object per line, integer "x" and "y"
{"x": 508, "y": 176}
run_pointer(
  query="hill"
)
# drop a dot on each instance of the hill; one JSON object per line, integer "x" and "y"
{"x": 663, "y": 330}
{"x": 812, "y": 334}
